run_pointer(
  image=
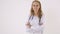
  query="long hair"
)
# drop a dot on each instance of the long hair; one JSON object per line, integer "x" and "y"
{"x": 39, "y": 11}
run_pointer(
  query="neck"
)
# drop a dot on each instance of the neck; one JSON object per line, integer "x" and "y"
{"x": 36, "y": 14}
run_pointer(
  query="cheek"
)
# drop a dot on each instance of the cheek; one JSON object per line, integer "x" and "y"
{"x": 33, "y": 8}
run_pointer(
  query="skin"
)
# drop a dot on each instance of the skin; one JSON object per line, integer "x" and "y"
{"x": 35, "y": 7}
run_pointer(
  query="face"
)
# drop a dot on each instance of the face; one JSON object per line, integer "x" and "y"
{"x": 35, "y": 6}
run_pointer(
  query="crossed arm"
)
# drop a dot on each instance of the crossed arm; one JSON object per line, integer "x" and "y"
{"x": 28, "y": 25}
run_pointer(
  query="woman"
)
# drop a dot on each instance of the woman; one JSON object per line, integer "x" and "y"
{"x": 35, "y": 20}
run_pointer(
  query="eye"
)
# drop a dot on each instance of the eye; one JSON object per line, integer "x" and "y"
{"x": 37, "y": 5}
{"x": 33, "y": 5}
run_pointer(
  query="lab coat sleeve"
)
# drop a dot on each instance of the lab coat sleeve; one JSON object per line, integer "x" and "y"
{"x": 43, "y": 20}
{"x": 27, "y": 19}
{"x": 28, "y": 29}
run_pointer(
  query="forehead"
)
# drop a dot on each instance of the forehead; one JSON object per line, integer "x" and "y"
{"x": 35, "y": 3}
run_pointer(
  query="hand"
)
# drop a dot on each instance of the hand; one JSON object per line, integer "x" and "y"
{"x": 28, "y": 25}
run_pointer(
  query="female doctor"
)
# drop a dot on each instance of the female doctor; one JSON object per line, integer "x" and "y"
{"x": 36, "y": 19}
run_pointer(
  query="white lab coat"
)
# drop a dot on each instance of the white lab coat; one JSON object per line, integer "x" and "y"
{"x": 36, "y": 28}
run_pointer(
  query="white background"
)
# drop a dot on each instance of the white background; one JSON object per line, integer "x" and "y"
{"x": 13, "y": 15}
